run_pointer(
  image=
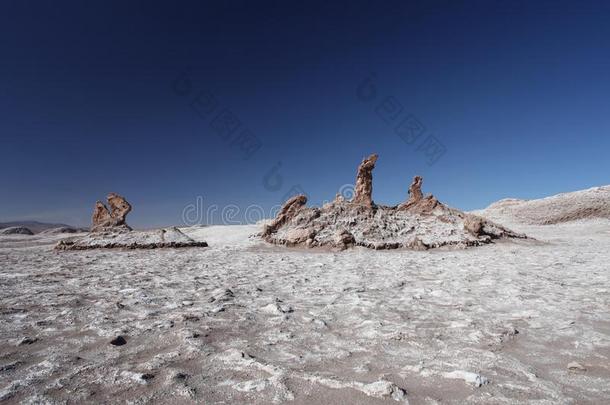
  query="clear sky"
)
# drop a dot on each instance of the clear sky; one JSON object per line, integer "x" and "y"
{"x": 235, "y": 103}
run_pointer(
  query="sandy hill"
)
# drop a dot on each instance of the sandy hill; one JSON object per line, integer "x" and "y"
{"x": 584, "y": 204}
{"x": 16, "y": 230}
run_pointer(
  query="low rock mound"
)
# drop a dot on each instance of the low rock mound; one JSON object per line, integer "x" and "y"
{"x": 422, "y": 222}
{"x": 16, "y": 230}
{"x": 159, "y": 238}
{"x": 565, "y": 207}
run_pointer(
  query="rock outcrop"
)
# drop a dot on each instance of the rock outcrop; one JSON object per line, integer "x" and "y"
{"x": 422, "y": 222}
{"x": 415, "y": 193}
{"x": 363, "y": 190}
{"x": 113, "y": 219}
{"x": 473, "y": 224}
{"x": 101, "y": 216}
{"x": 288, "y": 211}
{"x": 416, "y": 202}
{"x": 109, "y": 231}
{"x": 344, "y": 239}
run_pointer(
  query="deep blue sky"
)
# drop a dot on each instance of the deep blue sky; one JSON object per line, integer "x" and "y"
{"x": 517, "y": 93}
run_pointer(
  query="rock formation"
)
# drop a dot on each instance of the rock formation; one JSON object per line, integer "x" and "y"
{"x": 109, "y": 231}
{"x": 101, "y": 216}
{"x": 119, "y": 207}
{"x": 422, "y": 222}
{"x": 363, "y": 191}
{"x": 288, "y": 211}
{"x": 104, "y": 220}
{"x": 417, "y": 202}
{"x": 473, "y": 224}
{"x": 344, "y": 239}
{"x": 415, "y": 193}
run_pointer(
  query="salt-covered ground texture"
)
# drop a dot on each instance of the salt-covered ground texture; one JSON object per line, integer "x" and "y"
{"x": 242, "y": 321}
{"x": 112, "y": 239}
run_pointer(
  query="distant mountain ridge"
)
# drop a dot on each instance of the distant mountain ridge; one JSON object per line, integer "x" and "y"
{"x": 34, "y": 226}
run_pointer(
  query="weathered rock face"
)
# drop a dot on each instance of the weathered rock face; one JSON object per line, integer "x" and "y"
{"x": 473, "y": 224}
{"x": 363, "y": 190}
{"x": 344, "y": 239}
{"x": 420, "y": 223}
{"x": 103, "y": 219}
{"x": 119, "y": 207}
{"x": 288, "y": 211}
{"x": 101, "y": 216}
{"x": 417, "y": 203}
{"x": 415, "y": 193}
{"x": 298, "y": 236}
{"x": 482, "y": 228}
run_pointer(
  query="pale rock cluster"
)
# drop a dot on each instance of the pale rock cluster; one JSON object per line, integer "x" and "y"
{"x": 421, "y": 222}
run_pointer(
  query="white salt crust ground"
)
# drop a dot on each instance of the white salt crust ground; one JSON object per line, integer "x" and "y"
{"x": 151, "y": 239}
{"x": 244, "y": 322}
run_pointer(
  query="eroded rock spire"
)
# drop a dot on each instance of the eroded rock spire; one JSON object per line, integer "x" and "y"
{"x": 415, "y": 193}
{"x": 417, "y": 203}
{"x": 363, "y": 190}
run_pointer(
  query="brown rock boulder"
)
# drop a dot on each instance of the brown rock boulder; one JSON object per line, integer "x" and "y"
{"x": 473, "y": 224}
{"x": 299, "y": 235}
{"x": 363, "y": 190}
{"x": 344, "y": 239}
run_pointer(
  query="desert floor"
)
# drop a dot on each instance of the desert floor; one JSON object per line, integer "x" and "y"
{"x": 245, "y": 322}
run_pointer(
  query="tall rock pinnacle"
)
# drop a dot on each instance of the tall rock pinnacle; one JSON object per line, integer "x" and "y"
{"x": 364, "y": 182}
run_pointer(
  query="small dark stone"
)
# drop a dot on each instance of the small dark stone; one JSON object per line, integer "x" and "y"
{"x": 147, "y": 376}
{"x": 181, "y": 376}
{"x": 118, "y": 341}
{"x": 27, "y": 341}
{"x": 190, "y": 318}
